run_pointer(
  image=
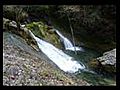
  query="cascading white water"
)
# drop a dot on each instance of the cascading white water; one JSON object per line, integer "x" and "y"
{"x": 62, "y": 60}
{"x": 68, "y": 44}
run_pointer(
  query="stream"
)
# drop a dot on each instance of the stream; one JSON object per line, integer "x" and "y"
{"x": 70, "y": 62}
{"x": 89, "y": 75}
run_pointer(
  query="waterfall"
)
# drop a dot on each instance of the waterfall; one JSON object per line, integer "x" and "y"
{"x": 67, "y": 43}
{"x": 62, "y": 60}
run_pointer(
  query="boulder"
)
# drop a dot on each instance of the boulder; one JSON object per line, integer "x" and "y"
{"x": 11, "y": 26}
{"x": 108, "y": 58}
{"x": 105, "y": 63}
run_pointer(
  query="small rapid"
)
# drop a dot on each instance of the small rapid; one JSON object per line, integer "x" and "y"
{"x": 62, "y": 60}
{"x": 67, "y": 43}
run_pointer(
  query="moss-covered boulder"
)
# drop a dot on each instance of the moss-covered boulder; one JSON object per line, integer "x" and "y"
{"x": 45, "y": 32}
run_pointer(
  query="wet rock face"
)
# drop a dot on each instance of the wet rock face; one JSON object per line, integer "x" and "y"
{"x": 106, "y": 63}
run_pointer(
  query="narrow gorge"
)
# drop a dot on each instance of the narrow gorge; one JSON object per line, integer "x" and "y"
{"x": 40, "y": 51}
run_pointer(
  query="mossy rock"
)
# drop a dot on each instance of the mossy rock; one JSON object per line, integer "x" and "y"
{"x": 94, "y": 64}
{"x": 37, "y": 28}
{"x": 110, "y": 69}
{"x": 97, "y": 66}
{"x": 45, "y": 32}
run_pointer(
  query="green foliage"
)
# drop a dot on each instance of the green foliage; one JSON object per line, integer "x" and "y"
{"x": 41, "y": 30}
{"x": 37, "y": 28}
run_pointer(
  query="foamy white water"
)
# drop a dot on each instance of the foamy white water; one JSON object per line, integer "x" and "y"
{"x": 62, "y": 60}
{"x": 75, "y": 48}
{"x": 68, "y": 44}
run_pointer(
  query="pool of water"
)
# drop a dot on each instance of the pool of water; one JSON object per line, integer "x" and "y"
{"x": 89, "y": 75}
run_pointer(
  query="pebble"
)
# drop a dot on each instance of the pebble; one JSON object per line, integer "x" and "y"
{"x": 12, "y": 77}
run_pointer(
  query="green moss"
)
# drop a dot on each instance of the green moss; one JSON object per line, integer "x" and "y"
{"x": 43, "y": 31}
{"x": 109, "y": 69}
{"x": 36, "y": 28}
{"x": 105, "y": 69}
{"x": 93, "y": 63}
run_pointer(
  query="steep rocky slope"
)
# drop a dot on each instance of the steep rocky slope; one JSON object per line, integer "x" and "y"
{"x": 22, "y": 65}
